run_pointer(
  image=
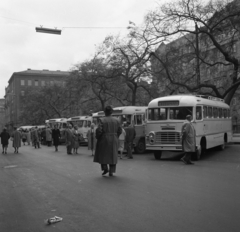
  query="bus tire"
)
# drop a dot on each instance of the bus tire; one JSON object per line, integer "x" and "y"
{"x": 140, "y": 148}
{"x": 157, "y": 155}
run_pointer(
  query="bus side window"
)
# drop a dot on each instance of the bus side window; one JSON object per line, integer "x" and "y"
{"x": 209, "y": 111}
{"x": 85, "y": 123}
{"x": 138, "y": 119}
{"x": 198, "y": 113}
{"x": 205, "y": 114}
{"x": 89, "y": 123}
{"x": 215, "y": 112}
{"x": 220, "y": 112}
{"x": 225, "y": 113}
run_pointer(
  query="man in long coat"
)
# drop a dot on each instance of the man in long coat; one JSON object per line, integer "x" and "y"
{"x": 69, "y": 136}
{"x": 56, "y": 135}
{"x": 16, "y": 139}
{"x": 107, "y": 135}
{"x": 188, "y": 140}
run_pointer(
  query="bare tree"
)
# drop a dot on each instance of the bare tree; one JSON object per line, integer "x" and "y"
{"x": 200, "y": 40}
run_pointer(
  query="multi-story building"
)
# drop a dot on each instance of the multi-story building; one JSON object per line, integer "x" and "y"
{"x": 2, "y": 114}
{"x": 17, "y": 85}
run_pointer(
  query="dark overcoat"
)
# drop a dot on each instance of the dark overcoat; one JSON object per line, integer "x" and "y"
{"x": 16, "y": 139}
{"x": 56, "y": 135}
{"x": 107, "y": 140}
{"x": 4, "y": 138}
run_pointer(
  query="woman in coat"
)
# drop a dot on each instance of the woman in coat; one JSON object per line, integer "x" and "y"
{"x": 56, "y": 135}
{"x": 4, "y": 140}
{"x": 16, "y": 139}
{"x": 91, "y": 135}
{"x": 107, "y": 135}
{"x": 188, "y": 140}
{"x": 76, "y": 137}
{"x": 49, "y": 136}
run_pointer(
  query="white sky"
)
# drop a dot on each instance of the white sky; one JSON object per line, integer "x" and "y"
{"x": 21, "y": 47}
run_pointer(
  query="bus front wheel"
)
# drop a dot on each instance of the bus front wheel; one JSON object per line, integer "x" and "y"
{"x": 140, "y": 148}
{"x": 157, "y": 155}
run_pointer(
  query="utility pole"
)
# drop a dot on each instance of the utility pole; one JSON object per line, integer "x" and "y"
{"x": 197, "y": 54}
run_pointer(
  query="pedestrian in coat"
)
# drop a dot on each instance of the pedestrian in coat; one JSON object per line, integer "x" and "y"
{"x": 130, "y": 136}
{"x": 4, "y": 140}
{"x": 121, "y": 142}
{"x": 28, "y": 133}
{"x": 16, "y": 136}
{"x": 49, "y": 136}
{"x": 188, "y": 140}
{"x": 24, "y": 137}
{"x": 76, "y": 137}
{"x": 69, "y": 139}
{"x": 35, "y": 137}
{"x": 56, "y": 135}
{"x": 91, "y": 135}
{"x": 107, "y": 135}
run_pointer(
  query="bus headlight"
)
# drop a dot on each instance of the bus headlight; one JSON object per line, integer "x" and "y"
{"x": 151, "y": 137}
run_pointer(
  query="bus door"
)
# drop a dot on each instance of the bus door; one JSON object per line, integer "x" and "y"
{"x": 139, "y": 125}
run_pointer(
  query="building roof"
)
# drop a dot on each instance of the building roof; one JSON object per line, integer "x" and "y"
{"x": 40, "y": 72}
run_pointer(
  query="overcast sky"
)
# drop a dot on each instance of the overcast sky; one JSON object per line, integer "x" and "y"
{"x": 22, "y": 48}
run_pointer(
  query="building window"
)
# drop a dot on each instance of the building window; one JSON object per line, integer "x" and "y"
{"x": 43, "y": 83}
{"x": 29, "y": 82}
{"x": 22, "y": 93}
{"x": 22, "y": 82}
{"x": 36, "y": 82}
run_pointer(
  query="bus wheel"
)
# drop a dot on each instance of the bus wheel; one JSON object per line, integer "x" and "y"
{"x": 157, "y": 155}
{"x": 140, "y": 148}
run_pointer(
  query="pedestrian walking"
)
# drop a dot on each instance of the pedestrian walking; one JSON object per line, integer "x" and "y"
{"x": 130, "y": 136}
{"x": 24, "y": 137}
{"x": 4, "y": 140}
{"x": 28, "y": 133}
{"x": 107, "y": 135}
{"x": 91, "y": 136}
{"x": 122, "y": 142}
{"x": 16, "y": 137}
{"x": 76, "y": 137}
{"x": 49, "y": 136}
{"x": 69, "y": 139}
{"x": 35, "y": 137}
{"x": 188, "y": 140}
{"x": 56, "y": 135}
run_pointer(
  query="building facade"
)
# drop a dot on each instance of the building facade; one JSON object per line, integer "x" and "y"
{"x": 17, "y": 85}
{"x": 2, "y": 114}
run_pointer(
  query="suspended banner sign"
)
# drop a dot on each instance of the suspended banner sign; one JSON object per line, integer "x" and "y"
{"x": 48, "y": 30}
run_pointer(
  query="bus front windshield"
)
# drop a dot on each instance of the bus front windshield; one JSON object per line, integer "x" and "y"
{"x": 171, "y": 113}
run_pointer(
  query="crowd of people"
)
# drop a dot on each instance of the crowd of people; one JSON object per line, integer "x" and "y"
{"x": 107, "y": 141}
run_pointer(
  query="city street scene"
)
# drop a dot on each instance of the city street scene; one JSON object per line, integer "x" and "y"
{"x": 120, "y": 116}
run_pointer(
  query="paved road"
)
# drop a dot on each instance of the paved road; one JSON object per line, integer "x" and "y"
{"x": 144, "y": 195}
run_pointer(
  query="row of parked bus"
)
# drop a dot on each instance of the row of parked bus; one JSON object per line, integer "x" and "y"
{"x": 158, "y": 125}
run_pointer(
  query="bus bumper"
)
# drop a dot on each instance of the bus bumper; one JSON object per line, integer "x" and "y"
{"x": 164, "y": 147}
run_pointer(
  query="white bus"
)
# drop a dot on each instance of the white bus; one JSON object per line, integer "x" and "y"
{"x": 166, "y": 115}
{"x": 136, "y": 116}
{"x": 61, "y": 125}
{"x": 83, "y": 123}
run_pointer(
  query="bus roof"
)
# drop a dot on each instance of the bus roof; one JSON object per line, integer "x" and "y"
{"x": 57, "y": 120}
{"x": 123, "y": 110}
{"x": 79, "y": 118}
{"x": 186, "y": 100}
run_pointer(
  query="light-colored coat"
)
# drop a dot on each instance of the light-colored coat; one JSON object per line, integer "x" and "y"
{"x": 107, "y": 143}
{"x": 188, "y": 137}
{"x": 91, "y": 135}
{"x": 48, "y": 134}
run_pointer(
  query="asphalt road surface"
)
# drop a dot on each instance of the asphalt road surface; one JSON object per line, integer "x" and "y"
{"x": 144, "y": 195}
